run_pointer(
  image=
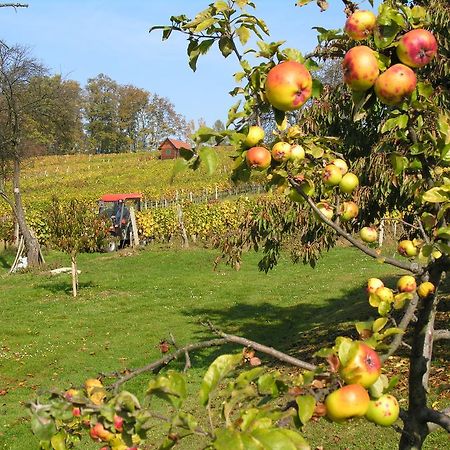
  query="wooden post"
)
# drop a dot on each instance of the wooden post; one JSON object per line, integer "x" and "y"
{"x": 134, "y": 235}
{"x": 182, "y": 229}
{"x": 73, "y": 259}
{"x": 381, "y": 234}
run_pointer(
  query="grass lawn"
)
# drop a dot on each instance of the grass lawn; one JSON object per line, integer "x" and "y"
{"x": 129, "y": 301}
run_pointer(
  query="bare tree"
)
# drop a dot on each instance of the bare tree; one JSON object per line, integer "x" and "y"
{"x": 18, "y": 98}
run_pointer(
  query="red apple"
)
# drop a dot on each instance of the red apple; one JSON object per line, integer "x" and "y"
{"x": 118, "y": 423}
{"x": 373, "y": 284}
{"x": 384, "y": 410}
{"x": 71, "y": 393}
{"x": 407, "y": 248}
{"x": 360, "y": 68}
{"x": 341, "y": 164}
{"x": 368, "y": 234}
{"x": 395, "y": 84}
{"x": 363, "y": 366}
{"x": 99, "y": 433}
{"x": 406, "y": 283}
{"x": 281, "y": 151}
{"x": 254, "y": 136}
{"x": 258, "y": 158}
{"x": 417, "y": 48}
{"x": 331, "y": 175}
{"x": 348, "y": 183}
{"x": 76, "y": 412}
{"x": 348, "y": 401}
{"x": 360, "y": 24}
{"x": 349, "y": 210}
{"x": 288, "y": 85}
{"x": 425, "y": 289}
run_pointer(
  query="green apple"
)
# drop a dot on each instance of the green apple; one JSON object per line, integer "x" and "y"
{"x": 254, "y": 136}
{"x": 368, "y": 234}
{"x": 348, "y": 183}
{"x": 407, "y": 248}
{"x": 331, "y": 175}
{"x": 383, "y": 411}
{"x": 425, "y": 289}
{"x": 349, "y": 210}
{"x": 297, "y": 153}
{"x": 385, "y": 294}
{"x": 348, "y": 401}
{"x": 373, "y": 284}
{"x": 281, "y": 151}
{"x": 325, "y": 209}
{"x": 363, "y": 365}
{"x": 341, "y": 164}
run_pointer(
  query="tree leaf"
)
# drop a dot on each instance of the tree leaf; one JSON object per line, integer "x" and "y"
{"x": 306, "y": 405}
{"x": 226, "y": 46}
{"x": 379, "y": 324}
{"x": 209, "y": 156}
{"x": 219, "y": 369}
{"x": 436, "y": 195}
{"x": 243, "y": 34}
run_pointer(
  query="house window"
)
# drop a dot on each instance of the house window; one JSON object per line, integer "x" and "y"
{"x": 168, "y": 152}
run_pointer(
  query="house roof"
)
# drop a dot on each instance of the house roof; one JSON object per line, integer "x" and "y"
{"x": 177, "y": 144}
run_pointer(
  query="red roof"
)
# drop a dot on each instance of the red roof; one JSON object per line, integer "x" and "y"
{"x": 177, "y": 144}
{"x": 117, "y": 197}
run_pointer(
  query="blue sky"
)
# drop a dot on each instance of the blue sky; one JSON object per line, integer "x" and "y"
{"x": 82, "y": 38}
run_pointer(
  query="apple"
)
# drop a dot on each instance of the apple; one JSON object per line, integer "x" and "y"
{"x": 368, "y": 234}
{"x": 384, "y": 410}
{"x": 325, "y": 209}
{"x": 360, "y": 67}
{"x": 416, "y": 48}
{"x": 331, "y": 175}
{"x": 288, "y": 85}
{"x": 349, "y": 210}
{"x": 425, "y": 289}
{"x": 363, "y": 366}
{"x": 118, "y": 423}
{"x": 396, "y": 83}
{"x": 258, "y": 158}
{"x": 254, "y": 136}
{"x": 407, "y": 248}
{"x": 360, "y": 24}
{"x": 348, "y": 183}
{"x": 92, "y": 383}
{"x": 348, "y": 401}
{"x": 297, "y": 153}
{"x": 71, "y": 393}
{"x": 385, "y": 294}
{"x": 76, "y": 412}
{"x": 281, "y": 151}
{"x": 341, "y": 164}
{"x": 373, "y": 284}
{"x": 99, "y": 433}
{"x": 406, "y": 283}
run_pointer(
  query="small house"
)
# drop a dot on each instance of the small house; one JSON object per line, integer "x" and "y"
{"x": 170, "y": 148}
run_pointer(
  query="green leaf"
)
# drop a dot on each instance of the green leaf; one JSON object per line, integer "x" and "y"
{"x": 377, "y": 388}
{"x": 443, "y": 232}
{"x": 267, "y": 385}
{"x": 392, "y": 331}
{"x": 379, "y": 324}
{"x": 436, "y": 195}
{"x": 43, "y": 427}
{"x": 346, "y": 350}
{"x": 221, "y": 5}
{"x": 226, "y": 439}
{"x": 400, "y": 122}
{"x": 208, "y": 155}
{"x": 179, "y": 166}
{"x": 219, "y": 369}
{"x": 247, "y": 376}
{"x": 324, "y": 352}
{"x": 243, "y": 34}
{"x": 171, "y": 388}
{"x": 317, "y": 88}
{"x": 205, "y": 24}
{"x": 425, "y": 89}
{"x": 306, "y": 405}
{"x": 280, "y": 439}
{"x": 226, "y": 46}
{"x": 58, "y": 441}
{"x": 383, "y": 308}
{"x": 399, "y": 163}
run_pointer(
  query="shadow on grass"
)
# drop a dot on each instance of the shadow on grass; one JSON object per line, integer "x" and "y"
{"x": 298, "y": 330}
{"x": 65, "y": 286}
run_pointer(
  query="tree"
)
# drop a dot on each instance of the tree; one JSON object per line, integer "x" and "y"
{"x": 400, "y": 150}
{"x": 20, "y": 97}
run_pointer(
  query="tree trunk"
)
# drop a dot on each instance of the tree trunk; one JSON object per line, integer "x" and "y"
{"x": 416, "y": 428}
{"x": 73, "y": 259}
{"x": 31, "y": 243}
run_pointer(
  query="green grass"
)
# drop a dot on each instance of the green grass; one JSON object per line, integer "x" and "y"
{"x": 129, "y": 301}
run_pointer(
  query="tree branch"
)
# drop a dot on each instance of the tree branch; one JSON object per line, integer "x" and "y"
{"x": 262, "y": 348}
{"x": 441, "y": 418}
{"x": 410, "y": 267}
{"x": 14, "y": 5}
{"x": 441, "y": 334}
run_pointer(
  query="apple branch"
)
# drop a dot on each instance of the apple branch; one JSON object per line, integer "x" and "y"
{"x": 437, "y": 417}
{"x": 261, "y": 348}
{"x": 411, "y": 267}
{"x": 441, "y": 334}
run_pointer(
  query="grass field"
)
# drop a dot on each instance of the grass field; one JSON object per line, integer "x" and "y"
{"x": 129, "y": 301}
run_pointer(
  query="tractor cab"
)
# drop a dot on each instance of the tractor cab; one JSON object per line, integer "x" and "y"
{"x": 116, "y": 208}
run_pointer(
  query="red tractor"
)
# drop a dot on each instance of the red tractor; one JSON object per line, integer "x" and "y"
{"x": 117, "y": 208}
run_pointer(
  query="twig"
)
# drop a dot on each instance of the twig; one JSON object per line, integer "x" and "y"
{"x": 440, "y": 418}
{"x": 441, "y": 334}
{"x": 403, "y": 325}
{"x": 410, "y": 267}
{"x": 262, "y": 348}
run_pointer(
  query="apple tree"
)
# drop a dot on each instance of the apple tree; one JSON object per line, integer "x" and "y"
{"x": 341, "y": 157}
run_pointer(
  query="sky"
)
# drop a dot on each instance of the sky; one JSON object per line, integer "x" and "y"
{"x": 80, "y": 39}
